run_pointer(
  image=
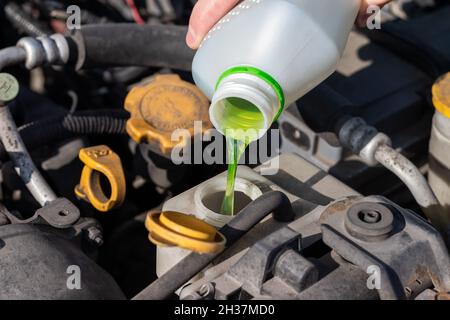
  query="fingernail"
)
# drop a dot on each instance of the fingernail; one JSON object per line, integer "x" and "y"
{"x": 191, "y": 38}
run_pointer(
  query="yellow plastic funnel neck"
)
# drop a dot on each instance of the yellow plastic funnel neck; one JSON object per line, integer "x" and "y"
{"x": 177, "y": 229}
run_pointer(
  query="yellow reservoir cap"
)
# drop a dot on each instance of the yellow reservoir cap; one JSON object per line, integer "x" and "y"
{"x": 441, "y": 95}
{"x": 177, "y": 229}
{"x": 101, "y": 160}
{"x": 161, "y": 106}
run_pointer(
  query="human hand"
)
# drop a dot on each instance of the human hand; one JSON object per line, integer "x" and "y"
{"x": 207, "y": 13}
{"x": 363, "y": 15}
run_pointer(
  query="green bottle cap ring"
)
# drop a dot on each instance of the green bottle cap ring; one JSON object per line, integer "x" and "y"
{"x": 262, "y": 75}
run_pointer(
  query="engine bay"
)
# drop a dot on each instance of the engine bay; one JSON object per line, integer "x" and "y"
{"x": 106, "y": 138}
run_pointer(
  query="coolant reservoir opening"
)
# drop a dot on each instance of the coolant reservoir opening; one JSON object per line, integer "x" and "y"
{"x": 209, "y": 196}
{"x": 214, "y": 201}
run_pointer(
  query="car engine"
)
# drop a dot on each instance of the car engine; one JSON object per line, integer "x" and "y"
{"x": 111, "y": 174}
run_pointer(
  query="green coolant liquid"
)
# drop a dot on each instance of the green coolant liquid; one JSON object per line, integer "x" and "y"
{"x": 242, "y": 119}
{"x": 235, "y": 149}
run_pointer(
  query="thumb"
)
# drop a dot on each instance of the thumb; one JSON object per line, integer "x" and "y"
{"x": 205, "y": 15}
{"x": 363, "y": 15}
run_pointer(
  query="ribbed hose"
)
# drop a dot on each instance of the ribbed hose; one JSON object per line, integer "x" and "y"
{"x": 59, "y": 128}
{"x": 274, "y": 201}
{"x": 95, "y": 125}
{"x": 23, "y": 22}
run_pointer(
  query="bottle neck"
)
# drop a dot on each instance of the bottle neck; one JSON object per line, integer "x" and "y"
{"x": 244, "y": 106}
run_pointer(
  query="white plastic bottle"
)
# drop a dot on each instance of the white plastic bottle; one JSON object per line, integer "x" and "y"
{"x": 266, "y": 54}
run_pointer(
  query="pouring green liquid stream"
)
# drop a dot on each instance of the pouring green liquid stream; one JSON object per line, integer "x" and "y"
{"x": 242, "y": 120}
{"x": 235, "y": 149}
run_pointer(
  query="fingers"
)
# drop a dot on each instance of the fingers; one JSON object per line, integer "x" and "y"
{"x": 206, "y": 13}
{"x": 204, "y": 16}
{"x": 363, "y": 15}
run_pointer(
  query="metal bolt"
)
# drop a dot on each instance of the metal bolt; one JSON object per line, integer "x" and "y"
{"x": 370, "y": 216}
{"x": 206, "y": 290}
{"x": 95, "y": 236}
{"x": 369, "y": 221}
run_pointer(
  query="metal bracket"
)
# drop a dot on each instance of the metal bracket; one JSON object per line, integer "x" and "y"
{"x": 60, "y": 213}
{"x": 254, "y": 267}
{"x": 407, "y": 252}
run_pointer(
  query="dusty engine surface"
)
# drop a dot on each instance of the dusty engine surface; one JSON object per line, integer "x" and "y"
{"x": 101, "y": 125}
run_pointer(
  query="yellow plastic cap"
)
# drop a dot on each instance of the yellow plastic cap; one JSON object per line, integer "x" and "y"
{"x": 441, "y": 95}
{"x": 184, "y": 231}
{"x": 159, "y": 107}
{"x": 100, "y": 160}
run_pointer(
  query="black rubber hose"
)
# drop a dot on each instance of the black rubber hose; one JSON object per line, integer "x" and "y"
{"x": 274, "y": 201}
{"x": 323, "y": 107}
{"x": 124, "y": 44}
{"x": 62, "y": 127}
